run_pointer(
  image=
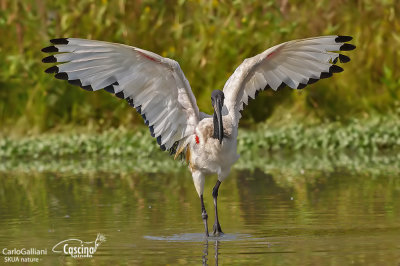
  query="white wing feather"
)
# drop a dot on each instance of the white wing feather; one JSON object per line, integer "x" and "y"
{"x": 295, "y": 64}
{"x": 155, "y": 85}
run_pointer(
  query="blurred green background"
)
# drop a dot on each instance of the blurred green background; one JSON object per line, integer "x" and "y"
{"x": 209, "y": 39}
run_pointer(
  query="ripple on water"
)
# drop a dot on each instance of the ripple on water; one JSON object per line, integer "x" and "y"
{"x": 198, "y": 237}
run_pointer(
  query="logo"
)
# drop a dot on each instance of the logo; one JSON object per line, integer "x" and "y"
{"x": 23, "y": 255}
{"x": 78, "y": 248}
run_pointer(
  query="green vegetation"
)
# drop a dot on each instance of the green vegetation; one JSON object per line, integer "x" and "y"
{"x": 378, "y": 134}
{"x": 209, "y": 39}
{"x": 367, "y": 146}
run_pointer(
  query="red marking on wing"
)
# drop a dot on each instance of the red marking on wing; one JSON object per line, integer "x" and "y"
{"x": 274, "y": 52}
{"x": 270, "y": 54}
{"x": 149, "y": 57}
{"x": 197, "y": 139}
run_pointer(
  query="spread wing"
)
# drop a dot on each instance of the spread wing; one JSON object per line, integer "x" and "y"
{"x": 154, "y": 85}
{"x": 295, "y": 64}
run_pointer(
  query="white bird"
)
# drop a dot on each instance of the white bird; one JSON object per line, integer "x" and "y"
{"x": 160, "y": 92}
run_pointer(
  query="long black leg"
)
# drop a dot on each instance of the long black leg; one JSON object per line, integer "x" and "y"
{"x": 204, "y": 214}
{"x": 217, "y": 227}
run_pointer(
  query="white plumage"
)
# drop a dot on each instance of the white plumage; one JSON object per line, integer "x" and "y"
{"x": 295, "y": 64}
{"x": 155, "y": 84}
{"x": 160, "y": 92}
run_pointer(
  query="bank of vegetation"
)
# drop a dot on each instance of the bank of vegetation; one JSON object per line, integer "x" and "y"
{"x": 378, "y": 134}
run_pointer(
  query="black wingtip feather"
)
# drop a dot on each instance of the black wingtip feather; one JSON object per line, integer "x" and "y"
{"x": 335, "y": 69}
{"x": 50, "y": 49}
{"x": 110, "y": 89}
{"x": 162, "y": 147}
{"x": 53, "y": 69}
{"x": 120, "y": 95}
{"x": 49, "y": 59}
{"x": 325, "y": 75}
{"x": 343, "y": 38}
{"x": 76, "y": 82}
{"x": 151, "y": 128}
{"x": 87, "y": 87}
{"x": 344, "y": 58}
{"x": 283, "y": 85}
{"x": 172, "y": 150}
{"x": 59, "y": 41}
{"x": 312, "y": 81}
{"x": 61, "y": 75}
{"x": 347, "y": 47}
{"x": 146, "y": 122}
{"x": 130, "y": 101}
{"x": 301, "y": 86}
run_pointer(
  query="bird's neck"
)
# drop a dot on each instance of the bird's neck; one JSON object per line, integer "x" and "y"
{"x": 215, "y": 123}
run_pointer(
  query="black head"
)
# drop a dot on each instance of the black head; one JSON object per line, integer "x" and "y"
{"x": 217, "y": 94}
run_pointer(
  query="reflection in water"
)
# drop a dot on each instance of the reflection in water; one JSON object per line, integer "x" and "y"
{"x": 216, "y": 252}
{"x": 205, "y": 251}
{"x": 199, "y": 237}
{"x": 281, "y": 216}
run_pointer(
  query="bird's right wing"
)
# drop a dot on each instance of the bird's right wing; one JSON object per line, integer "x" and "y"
{"x": 154, "y": 85}
{"x": 295, "y": 64}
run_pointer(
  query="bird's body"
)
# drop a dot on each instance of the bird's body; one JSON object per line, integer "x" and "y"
{"x": 207, "y": 156}
{"x": 160, "y": 92}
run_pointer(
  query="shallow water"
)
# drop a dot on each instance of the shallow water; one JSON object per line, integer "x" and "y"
{"x": 270, "y": 217}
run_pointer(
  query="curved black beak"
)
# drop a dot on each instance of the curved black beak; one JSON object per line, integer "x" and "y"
{"x": 218, "y": 126}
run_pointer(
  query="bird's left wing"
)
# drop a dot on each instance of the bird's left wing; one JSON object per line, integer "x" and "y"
{"x": 154, "y": 85}
{"x": 295, "y": 64}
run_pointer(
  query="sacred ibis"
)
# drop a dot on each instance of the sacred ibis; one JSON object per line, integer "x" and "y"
{"x": 160, "y": 92}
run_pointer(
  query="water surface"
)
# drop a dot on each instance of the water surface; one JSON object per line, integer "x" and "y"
{"x": 321, "y": 216}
